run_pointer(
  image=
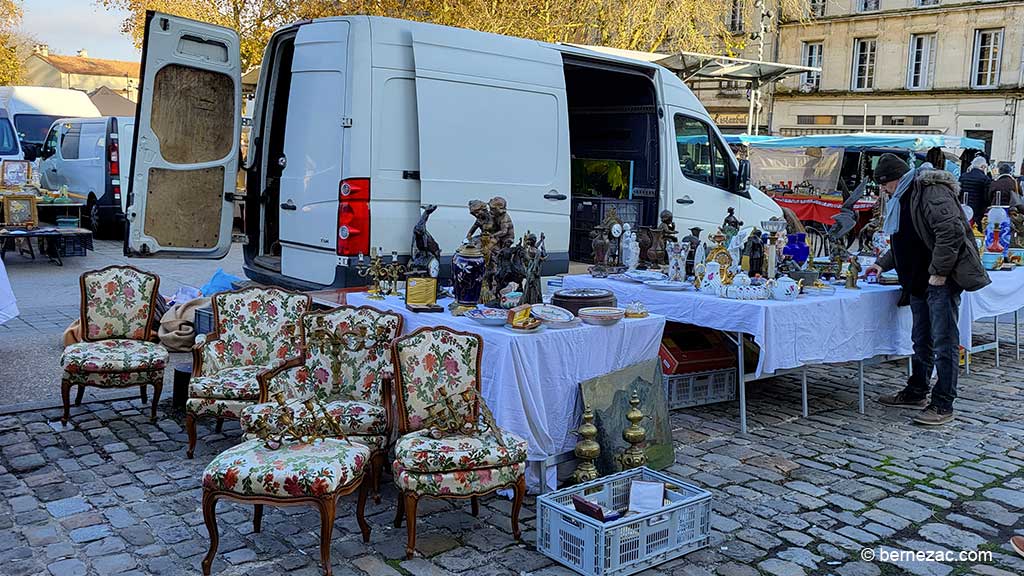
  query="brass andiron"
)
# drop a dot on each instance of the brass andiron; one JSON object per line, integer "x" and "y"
{"x": 635, "y": 435}
{"x": 319, "y": 424}
{"x": 587, "y": 450}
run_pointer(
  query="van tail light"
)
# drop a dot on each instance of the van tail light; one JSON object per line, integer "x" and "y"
{"x": 112, "y": 150}
{"x": 117, "y": 192}
{"x": 354, "y": 217}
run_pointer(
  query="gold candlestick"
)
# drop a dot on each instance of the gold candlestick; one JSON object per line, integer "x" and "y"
{"x": 587, "y": 450}
{"x": 635, "y": 435}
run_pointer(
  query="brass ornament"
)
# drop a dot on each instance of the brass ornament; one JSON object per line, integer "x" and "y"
{"x": 720, "y": 253}
{"x": 445, "y": 418}
{"x": 634, "y": 435}
{"x": 317, "y": 425}
{"x": 384, "y": 276}
{"x": 587, "y": 449}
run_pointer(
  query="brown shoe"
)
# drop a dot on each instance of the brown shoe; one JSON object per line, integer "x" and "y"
{"x": 932, "y": 416}
{"x": 1017, "y": 542}
{"x": 902, "y": 400}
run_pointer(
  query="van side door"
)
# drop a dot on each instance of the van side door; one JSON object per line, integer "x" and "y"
{"x": 186, "y": 144}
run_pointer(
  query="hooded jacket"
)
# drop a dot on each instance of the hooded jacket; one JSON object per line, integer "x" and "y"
{"x": 975, "y": 185}
{"x": 1004, "y": 191}
{"x": 941, "y": 224}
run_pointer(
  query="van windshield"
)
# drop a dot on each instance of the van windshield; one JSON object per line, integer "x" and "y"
{"x": 8, "y": 143}
{"x": 33, "y": 127}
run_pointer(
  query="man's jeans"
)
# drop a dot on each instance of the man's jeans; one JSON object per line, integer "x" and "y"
{"x": 936, "y": 338}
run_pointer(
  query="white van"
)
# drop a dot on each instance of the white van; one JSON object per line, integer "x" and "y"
{"x": 30, "y": 111}
{"x": 85, "y": 154}
{"x": 360, "y": 120}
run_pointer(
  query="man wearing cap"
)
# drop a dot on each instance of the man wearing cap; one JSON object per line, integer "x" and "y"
{"x": 935, "y": 257}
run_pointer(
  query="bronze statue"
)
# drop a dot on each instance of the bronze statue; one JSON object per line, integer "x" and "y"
{"x": 426, "y": 253}
{"x": 653, "y": 241}
{"x": 731, "y": 226}
{"x": 531, "y": 257}
{"x": 852, "y": 273}
{"x": 481, "y": 223}
{"x": 693, "y": 240}
{"x": 502, "y": 230}
{"x": 599, "y": 242}
{"x": 753, "y": 253}
{"x": 667, "y": 227}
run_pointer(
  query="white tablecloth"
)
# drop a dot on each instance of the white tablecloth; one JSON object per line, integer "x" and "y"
{"x": 531, "y": 381}
{"x": 8, "y": 305}
{"x": 1004, "y": 295}
{"x": 848, "y": 326}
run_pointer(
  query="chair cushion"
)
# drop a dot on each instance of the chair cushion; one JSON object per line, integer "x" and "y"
{"x": 216, "y": 407}
{"x": 418, "y": 452}
{"x": 356, "y": 418}
{"x": 229, "y": 384}
{"x": 464, "y": 483}
{"x": 115, "y": 379}
{"x": 315, "y": 469}
{"x": 114, "y": 355}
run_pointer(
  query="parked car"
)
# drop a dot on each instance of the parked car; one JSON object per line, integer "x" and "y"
{"x": 85, "y": 154}
{"x": 359, "y": 121}
{"x": 27, "y": 112}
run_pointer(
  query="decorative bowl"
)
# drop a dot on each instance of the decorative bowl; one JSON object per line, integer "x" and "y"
{"x": 488, "y": 316}
{"x": 601, "y": 315}
{"x": 551, "y": 313}
{"x": 991, "y": 260}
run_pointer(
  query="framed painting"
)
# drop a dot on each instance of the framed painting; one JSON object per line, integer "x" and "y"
{"x": 608, "y": 396}
{"x": 14, "y": 173}
{"x": 20, "y": 210}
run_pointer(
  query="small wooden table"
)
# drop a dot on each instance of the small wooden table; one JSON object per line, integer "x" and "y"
{"x": 51, "y": 240}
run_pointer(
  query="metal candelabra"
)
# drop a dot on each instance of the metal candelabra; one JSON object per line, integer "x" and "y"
{"x": 383, "y": 275}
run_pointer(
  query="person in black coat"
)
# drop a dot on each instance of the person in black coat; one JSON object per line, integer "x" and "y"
{"x": 974, "y": 188}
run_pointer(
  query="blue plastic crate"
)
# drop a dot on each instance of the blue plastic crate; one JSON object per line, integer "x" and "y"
{"x": 630, "y": 544}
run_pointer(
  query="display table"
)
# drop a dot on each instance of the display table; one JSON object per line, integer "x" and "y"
{"x": 848, "y": 326}
{"x": 817, "y": 208}
{"x": 531, "y": 381}
{"x": 1004, "y": 295}
{"x": 55, "y": 243}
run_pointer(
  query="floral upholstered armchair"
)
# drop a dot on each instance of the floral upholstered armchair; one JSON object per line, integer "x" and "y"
{"x": 255, "y": 329}
{"x": 437, "y": 382}
{"x": 118, "y": 304}
{"x": 345, "y": 363}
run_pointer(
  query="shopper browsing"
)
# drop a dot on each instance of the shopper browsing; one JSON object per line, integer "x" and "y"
{"x": 975, "y": 185}
{"x": 934, "y": 254}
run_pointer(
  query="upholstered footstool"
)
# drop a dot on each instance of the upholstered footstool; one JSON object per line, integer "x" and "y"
{"x": 315, "y": 473}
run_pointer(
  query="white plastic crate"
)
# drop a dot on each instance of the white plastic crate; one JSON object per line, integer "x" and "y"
{"x": 627, "y": 545}
{"x": 699, "y": 388}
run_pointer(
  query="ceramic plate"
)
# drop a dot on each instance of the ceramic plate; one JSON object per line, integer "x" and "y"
{"x": 644, "y": 275}
{"x": 551, "y": 313}
{"x": 560, "y": 325}
{"x": 538, "y": 328}
{"x": 667, "y": 285}
{"x": 488, "y": 316}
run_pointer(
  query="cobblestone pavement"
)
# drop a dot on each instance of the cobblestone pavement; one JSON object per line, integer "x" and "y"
{"x": 115, "y": 494}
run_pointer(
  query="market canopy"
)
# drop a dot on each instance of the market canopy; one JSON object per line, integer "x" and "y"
{"x": 696, "y": 66}
{"x": 869, "y": 140}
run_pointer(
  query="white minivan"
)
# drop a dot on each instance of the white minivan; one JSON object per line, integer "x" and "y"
{"x": 27, "y": 112}
{"x": 359, "y": 121}
{"x": 85, "y": 154}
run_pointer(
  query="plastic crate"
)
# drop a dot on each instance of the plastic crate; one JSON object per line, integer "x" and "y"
{"x": 204, "y": 320}
{"x": 68, "y": 245}
{"x": 627, "y": 545}
{"x": 699, "y": 388}
{"x": 588, "y": 212}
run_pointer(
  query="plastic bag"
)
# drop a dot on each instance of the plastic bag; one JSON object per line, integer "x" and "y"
{"x": 184, "y": 294}
{"x": 219, "y": 282}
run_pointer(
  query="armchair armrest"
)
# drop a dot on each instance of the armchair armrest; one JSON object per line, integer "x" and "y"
{"x": 281, "y": 378}
{"x": 386, "y": 385}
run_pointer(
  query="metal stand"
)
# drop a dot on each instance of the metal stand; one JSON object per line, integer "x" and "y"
{"x": 995, "y": 326}
{"x": 1016, "y": 332}
{"x": 803, "y": 390}
{"x": 860, "y": 385}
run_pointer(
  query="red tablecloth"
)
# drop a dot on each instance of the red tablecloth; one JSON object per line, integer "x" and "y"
{"x": 818, "y": 209}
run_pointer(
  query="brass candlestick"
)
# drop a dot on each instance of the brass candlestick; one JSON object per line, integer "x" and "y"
{"x": 587, "y": 450}
{"x": 635, "y": 435}
{"x": 317, "y": 426}
{"x": 375, "y": 270}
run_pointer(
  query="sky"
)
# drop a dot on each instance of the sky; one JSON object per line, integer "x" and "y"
{"x": 70, "y": 25}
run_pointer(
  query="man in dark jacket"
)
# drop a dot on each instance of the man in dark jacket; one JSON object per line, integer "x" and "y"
{"x": 934, "y": 254}
{"x": 974, "y": 184}
{"x": 1004, "y": 190}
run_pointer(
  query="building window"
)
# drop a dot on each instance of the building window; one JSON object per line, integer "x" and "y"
{"x": 812, "y": 59}
{"x": 921, "y": 3}
{"x": 736, "y": 16}
{"x": 820, "y": 119}
{"x": 904, "y": 120}
{"x": 727, "y": 85}
{"x": 867, "y": 5}
{"x": 817, "y": 8}
{"x": 988, "y": 46}
{"x": 850, "y": 120}
{"x": 921, "y": 65}
{"x": 863, "y": 64}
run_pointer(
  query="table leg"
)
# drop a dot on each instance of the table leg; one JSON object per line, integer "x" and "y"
{"x": 742, "y": 381}
{"x": 803, "y": 389}
{"x": 910, "y": 367}
{"x": 543, "y": 467}
{"x": 860, "y": 385}
{"x": 967, "y": 360}
{"x": 1016, "y": 331}
{"x": 995, "y": 325}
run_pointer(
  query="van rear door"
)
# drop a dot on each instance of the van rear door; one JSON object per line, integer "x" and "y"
{"x": 493, "y": 121}
{"x": 185, "y": 157}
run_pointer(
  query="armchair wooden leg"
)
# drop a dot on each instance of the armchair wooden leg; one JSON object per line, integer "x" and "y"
{"x": 79, "y": 395}
{"x": 400, "y": 510}
{"x": 364, "y": 488}
{"x": 65, "y": 395}
{"x": 190, "y": 427}
{"x": 210, "y": 517}
{"x": 257, "y": 518}
{"x": 474, "y": 502}
{"x": 327, "y": 510}
{"x": 158, "y": 387}
{"x": 220, "y": 425}
{"x": 410, "y": 521}
{"x": 517, "y": 503}
{"x": 143, "y": 395}
{"x": 378, "y": 472}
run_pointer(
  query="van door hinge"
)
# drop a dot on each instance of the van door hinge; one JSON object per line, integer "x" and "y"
{"x": 346, "y": 122}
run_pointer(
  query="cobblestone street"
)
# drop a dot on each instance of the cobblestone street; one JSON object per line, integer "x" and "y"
{"x": 114, "y": 494}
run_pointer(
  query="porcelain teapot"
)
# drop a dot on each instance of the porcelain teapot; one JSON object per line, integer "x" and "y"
{"x": 785, "y": 288}
{"x": 710, "y": 276}
{"x": 741, "y": 279}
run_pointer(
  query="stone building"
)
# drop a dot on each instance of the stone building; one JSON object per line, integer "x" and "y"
{"x": 931, "y": 66}
{"x": 80, "y": 72}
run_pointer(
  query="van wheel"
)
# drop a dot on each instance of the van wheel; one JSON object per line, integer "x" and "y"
{"x": 94, "y": 217}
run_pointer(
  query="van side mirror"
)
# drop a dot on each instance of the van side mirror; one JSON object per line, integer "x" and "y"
{"x": 743, "y": 177}
{"x": 31, "y": 150}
